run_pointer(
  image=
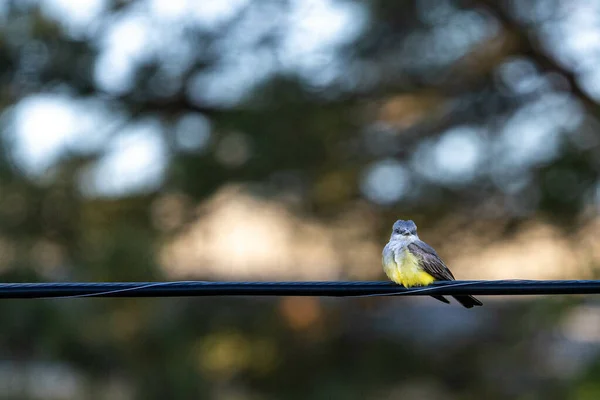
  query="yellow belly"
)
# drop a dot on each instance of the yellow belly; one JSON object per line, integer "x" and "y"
{"x": 409, "y": 273}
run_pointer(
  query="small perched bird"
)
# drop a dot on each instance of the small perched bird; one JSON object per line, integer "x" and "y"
{"x": 408, "y": 261}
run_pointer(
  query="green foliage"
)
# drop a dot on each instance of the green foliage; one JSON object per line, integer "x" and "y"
{"x": 400, "y": 91}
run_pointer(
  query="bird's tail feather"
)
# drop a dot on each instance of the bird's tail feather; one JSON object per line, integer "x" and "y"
{"x": 441, "y": 298}
{"x": 468, "y": 301}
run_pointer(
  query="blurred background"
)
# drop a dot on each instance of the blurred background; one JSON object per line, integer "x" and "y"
{"x": 279, "y": 140}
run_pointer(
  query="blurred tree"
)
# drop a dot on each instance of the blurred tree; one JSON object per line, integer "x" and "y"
{"x": 433, "y": 108}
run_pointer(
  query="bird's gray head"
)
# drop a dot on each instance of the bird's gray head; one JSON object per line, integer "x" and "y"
{"x": 404, "y": 230}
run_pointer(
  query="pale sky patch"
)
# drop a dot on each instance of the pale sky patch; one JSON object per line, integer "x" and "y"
{"x": 44, "y": 126}
{"x": 386, "y": 181}
{"x": 136, "y": 162}
{"x": 76, "y": 16}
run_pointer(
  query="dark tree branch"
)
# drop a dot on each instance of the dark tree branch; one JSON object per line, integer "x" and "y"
{"x": 530, "y": 46}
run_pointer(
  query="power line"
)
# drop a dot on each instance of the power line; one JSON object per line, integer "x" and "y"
{"x": 328, "y": 289}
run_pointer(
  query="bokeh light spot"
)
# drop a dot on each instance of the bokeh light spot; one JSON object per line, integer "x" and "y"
{"x": 385, "y": 181}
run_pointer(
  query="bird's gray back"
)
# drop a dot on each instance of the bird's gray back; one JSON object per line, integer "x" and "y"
{"x": 430, "y": 261}
{"x": 426, "y": 248}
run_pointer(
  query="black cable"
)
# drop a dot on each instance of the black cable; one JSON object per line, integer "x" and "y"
{"x": 330, "y": 289}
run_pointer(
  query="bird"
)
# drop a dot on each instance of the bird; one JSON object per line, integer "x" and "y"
{"x": 408, "y": 261}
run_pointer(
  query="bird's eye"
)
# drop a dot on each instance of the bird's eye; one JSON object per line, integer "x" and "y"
{"x": 397, "y": 231}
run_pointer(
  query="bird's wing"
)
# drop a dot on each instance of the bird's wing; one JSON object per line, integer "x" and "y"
{"x": 430, "y": 261}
